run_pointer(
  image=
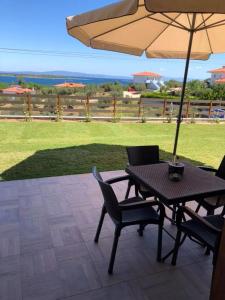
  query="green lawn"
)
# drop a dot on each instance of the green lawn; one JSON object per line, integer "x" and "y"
{"x": 42, "y": 149}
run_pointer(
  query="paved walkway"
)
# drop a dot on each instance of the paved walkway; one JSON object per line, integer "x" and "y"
{"x": 47, "y": 251}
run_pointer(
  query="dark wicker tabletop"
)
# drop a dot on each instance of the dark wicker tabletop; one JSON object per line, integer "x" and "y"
{"x": 195, "y": 183}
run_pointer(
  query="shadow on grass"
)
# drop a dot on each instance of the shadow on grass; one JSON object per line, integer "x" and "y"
{"x": 74, "y": 160}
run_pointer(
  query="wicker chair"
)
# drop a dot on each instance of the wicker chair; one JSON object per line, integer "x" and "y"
{"x": 212, "y": 203}
{"x": 141, "y": 155}
{"x": 133, "y": 211}
{"x": 206, "y": 230}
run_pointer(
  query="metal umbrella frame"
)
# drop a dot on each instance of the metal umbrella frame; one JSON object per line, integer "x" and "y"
{"x": 186, "y": 29}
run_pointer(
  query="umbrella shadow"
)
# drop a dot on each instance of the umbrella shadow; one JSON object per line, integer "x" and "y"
{"x": 75, "y": 160}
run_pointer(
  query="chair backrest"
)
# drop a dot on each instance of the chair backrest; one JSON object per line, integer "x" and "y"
{"x": 221, "y": 170}
{"x": 143, "y": 155}
{"x": 110, "y": 200}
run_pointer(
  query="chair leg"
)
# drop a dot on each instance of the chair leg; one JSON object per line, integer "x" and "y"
{"x": 210, "y": 212}
{"x": 128, "y": 189}
{"x": 159, "y": 250}
{"x": 136, "y": 190}
{"x": 114, "y": 248}
{"x": 141, "y": 229}
{"x": 176, "y": 248}
{"x": 100, "y": 224}
{"x": 174, "y": 214}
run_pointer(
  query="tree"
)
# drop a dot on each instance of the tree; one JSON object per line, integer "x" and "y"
{"x": 140, "y": 87}
{"x": 219, "y": 91}
{"x": 196, "y": 85}
{"x": 111, "y": 86}
{"x": 90, "y": 90}
{"x": 116, "y": 90}
{"x": 173, "y": 84}
{"x": 20, "y": 81}
{"x": 3, "y": 85}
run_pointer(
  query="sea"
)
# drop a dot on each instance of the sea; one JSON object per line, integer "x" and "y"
{"x": 52, "y": 81}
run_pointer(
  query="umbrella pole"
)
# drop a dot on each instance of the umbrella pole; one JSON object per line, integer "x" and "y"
{"x": 179, "y": 119}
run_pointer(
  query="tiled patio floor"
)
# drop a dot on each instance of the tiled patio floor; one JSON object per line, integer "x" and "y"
{"x": 47, "y": 250}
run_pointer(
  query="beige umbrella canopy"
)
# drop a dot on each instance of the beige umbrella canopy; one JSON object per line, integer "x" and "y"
{"x": 191, "y": 29}
{"x": 160, "y": 28}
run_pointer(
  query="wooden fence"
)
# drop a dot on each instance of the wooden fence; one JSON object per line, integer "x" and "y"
{"x": 77, "y": 107}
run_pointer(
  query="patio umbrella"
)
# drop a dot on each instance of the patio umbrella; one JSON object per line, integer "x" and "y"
{"x": 188, "y": 29}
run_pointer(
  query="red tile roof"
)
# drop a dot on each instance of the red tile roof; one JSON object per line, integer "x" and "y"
{"x": 150, "y": 74}
{"x": 70, "y": 85}
{"x": 220, "y": 70}
{"x": 16, "y": 90}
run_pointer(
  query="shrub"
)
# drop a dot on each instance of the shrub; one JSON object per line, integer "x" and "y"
{"x": 115, "y": 120}
{"x": 104, "y": 103}
{"x": 158, "y": 95}
{"x": 143, "y": 120}
{"x": 87, "y": 119}
{"x": 193, "y": 121}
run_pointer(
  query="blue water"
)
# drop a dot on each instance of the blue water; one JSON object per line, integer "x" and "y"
{"x": 53, "y": 81}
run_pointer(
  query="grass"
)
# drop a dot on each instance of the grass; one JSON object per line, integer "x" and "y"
{"x": 42, "y": 149}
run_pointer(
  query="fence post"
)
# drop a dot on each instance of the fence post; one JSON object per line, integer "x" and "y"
{"x": 139, "y": 109}
{"x": 143, "y": 108}
{"x": 114, "y": 106}
{"x": 164, "y": 108}
{"x": 210, "y": 108}
{"x": 58, "y": 108}
{"x": 87, "y": 107}
{"x": 29, "y": 108}
{"x": 187, "y": 110}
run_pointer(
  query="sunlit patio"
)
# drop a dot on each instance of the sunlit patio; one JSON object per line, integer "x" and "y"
{"x": 47, "y": 251}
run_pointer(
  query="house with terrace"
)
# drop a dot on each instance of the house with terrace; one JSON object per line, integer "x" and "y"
{"x": 153, "y": 81}
{"x": 218, "y": 75}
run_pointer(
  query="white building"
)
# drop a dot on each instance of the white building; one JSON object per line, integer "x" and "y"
{"x": 153, "y": 81}
{"x": 218, "y": 75}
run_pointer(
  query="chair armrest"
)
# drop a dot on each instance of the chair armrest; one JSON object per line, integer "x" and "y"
{"x": 138, "y": 204}
{"x": 206, "y": 168}
{"x": 118, "y": 179}
{"x": 194, "y": 216}
{"x": 145, "y": 203}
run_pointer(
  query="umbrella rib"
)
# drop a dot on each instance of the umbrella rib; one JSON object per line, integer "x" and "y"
{"x": 189, "y": 19}
{"x": 204, "y": 21}
{"x": 169, "y": 24}
{"x": 119, "y": 27}
{"x": 174, "y": 20}
{"x": 160, "y": 33}
{"x": 210, "y": 45}
{"x": 213, "y": 26}
{"x": 216, "y": 24}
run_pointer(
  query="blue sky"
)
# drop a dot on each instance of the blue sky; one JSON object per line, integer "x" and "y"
{"x": 40, "y": 25}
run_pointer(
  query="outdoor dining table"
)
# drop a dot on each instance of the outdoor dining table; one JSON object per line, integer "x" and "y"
{"x": 196, "y": 184}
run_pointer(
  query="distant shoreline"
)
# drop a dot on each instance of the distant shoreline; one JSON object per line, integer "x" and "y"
{"x": 61, "y": 76}
{"x": 35, "y": 76}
